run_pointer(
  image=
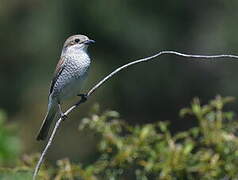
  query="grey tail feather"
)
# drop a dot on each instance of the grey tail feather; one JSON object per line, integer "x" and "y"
{"x": 45, "y": 127}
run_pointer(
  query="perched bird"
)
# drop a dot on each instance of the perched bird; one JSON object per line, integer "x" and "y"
{"x": 71, "y": 71}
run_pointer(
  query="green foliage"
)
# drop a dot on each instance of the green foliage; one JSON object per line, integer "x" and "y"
{"x": 24, "y": 169}
{"x": 9, "y": 142}
{"x": 15, "y": 175}
{"x": 150, "y": 151}
{"x": 208, "y": 151}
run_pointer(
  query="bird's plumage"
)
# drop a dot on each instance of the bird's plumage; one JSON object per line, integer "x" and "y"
{"x": 58, "y": 71}
{"x": 70, "y": 73}
{"x": 51, "y": 113}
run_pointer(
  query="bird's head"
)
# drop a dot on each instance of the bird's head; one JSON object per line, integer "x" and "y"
{"x": 77, "y": 42}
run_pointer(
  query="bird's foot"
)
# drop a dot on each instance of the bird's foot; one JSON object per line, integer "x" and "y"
{"x": 63, "y": 116}
{"x": 84, "y": 98}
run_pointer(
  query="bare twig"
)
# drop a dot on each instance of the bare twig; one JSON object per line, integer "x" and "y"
{"x": 100, "y": 83}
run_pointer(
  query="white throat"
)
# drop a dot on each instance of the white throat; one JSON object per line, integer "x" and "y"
{"x": 75, "y": 50}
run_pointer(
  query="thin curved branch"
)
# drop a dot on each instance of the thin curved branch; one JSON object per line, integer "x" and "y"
{"x": 100, "y": 83}
{"x": 91, "y": 91}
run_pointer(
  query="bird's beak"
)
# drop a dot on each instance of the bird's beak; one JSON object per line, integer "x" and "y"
{"x": 90, "y": 41}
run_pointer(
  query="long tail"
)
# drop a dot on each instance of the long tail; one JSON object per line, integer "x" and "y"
{"x": 45, "y": 127}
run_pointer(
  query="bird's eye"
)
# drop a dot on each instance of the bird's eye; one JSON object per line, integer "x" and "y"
{"x": 76, "y": 40}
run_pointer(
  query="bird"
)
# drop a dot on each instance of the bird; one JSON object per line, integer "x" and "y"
{"x": 70, "y": 73}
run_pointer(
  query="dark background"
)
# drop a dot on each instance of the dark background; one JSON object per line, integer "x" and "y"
{"x": 33, "y": 32}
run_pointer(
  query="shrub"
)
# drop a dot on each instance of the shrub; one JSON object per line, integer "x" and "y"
{"x": 150, "y": 151}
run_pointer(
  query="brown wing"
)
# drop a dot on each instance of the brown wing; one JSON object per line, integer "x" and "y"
{"x": 59, "y": 68}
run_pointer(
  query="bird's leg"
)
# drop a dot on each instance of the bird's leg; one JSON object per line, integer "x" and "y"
{"x": 62, "y": 115}
{"x": 84, "y": 97}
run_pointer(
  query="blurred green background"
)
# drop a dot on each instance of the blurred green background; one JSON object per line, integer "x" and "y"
{"x": 33, "y": 32}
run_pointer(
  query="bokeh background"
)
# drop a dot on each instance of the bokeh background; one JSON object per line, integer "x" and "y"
{"x": 33, "y": 32}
